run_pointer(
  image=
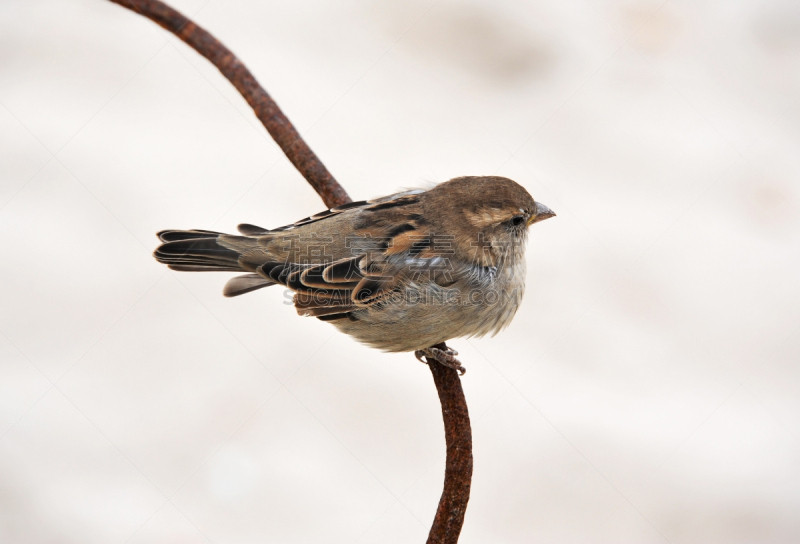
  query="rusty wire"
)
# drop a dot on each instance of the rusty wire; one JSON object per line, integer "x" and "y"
{"x": 458, "y": 467}
{"x": 449, "y": 518}
{"x": 277, "y": 124}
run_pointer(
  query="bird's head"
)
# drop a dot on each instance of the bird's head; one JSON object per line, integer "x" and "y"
{"x": 488, "y": 215}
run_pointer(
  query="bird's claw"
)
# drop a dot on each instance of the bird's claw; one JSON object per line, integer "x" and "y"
{"x": 446, "y": 357}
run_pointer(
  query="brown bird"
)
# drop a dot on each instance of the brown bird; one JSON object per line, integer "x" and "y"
{"x": 399, "y": 273}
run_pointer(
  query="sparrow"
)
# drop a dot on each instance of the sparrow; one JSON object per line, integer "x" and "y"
{"x": 404, "y": 272}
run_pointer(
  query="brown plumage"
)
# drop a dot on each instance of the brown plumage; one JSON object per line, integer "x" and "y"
{"x": 400, "y": 273}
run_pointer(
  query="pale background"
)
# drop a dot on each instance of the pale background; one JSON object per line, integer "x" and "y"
{"x": 648, "y": 390}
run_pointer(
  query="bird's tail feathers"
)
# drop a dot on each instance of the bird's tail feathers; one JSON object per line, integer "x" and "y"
{"x": 202, "y": 251}
{"x": 195, "y": 250}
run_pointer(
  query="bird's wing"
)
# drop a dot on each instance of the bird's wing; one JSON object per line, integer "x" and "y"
{"x": 386, "y": 242}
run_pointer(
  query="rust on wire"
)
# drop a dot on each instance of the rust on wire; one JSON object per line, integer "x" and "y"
{"x": 458, "y": 467}
{"x": 458, "y": 432}
{"x": 267, "y": 111}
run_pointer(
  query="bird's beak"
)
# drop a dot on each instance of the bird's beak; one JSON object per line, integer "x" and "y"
{"x": 540, "y": 213}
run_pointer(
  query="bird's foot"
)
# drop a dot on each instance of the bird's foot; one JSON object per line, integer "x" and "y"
{"x": 446, "y": 357}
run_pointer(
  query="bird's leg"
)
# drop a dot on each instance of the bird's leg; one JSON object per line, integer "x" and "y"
{"x": 446, "y": 357}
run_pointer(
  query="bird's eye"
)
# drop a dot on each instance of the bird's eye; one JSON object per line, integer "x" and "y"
{"x": 517, "y": 220}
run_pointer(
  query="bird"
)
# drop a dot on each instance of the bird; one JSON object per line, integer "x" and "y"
{"x": 400, "y": 273}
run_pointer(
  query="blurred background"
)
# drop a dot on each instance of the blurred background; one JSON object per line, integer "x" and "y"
{"x": 647, "y": 390}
